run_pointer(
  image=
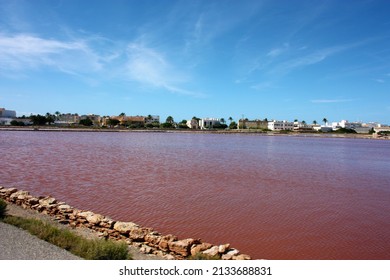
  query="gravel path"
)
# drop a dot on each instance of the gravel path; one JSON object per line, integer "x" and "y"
{"x": 18, "y": 244}
{"x": 11, "y": 246}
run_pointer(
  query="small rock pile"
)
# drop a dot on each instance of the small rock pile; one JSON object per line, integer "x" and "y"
{"x": 147, "y": 240}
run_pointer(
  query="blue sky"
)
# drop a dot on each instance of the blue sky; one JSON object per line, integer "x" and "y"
{"x": 258, "y": 59}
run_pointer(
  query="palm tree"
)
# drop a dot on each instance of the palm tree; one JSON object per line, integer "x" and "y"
{"x": 169, "y": 120}
{"x": 57, "y": 113}
{"x": 222, "y": 120}
{"x": 314, "y": 122}
{"x": 230, "y": 119}
{"x": 122, "y": 114}
{"x": 325, "y": 121}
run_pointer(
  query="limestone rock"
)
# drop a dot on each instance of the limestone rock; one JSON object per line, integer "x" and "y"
{"x": 169, "y": 257}
{"x": 33, "y": 201}
{"x": 137, "y": 234}
{"x": 153, "y": 238}
{"x": 146, "y": 249}
{"x": 200, "y": 247}
{"x": 95, "y": 218}
{"x": 107, "y": 223}
{"x": 47, "y": 201}
{"x": 181, "y": 247}
{"x": 212, "y": 252}
{"x": 241, "y": 257}
{"x": 84, "y": 214}
{"x": 20, "y": 195}
{"x": 163, "y": 245}
{"x": 223, "y": 248}
{"x": 230, "y": 254}
{"x": 65, "y": 208}
{"x": 125, "y": 227}
{"x": 9, "y": 191}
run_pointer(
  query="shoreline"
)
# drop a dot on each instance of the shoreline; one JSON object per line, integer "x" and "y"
{"x": 241, "y": 132}
{"x": 142, "y": 239}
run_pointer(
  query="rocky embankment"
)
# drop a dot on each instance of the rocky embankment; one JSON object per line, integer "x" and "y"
{"x": 147, "y": 240}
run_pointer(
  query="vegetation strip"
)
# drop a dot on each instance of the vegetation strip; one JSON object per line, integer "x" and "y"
{"x": 97, "y": 249}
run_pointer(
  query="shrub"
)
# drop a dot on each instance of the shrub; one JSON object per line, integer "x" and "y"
{"x": 3, "y": 208}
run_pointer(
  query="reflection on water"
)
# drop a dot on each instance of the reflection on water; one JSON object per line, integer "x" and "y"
{"x": 270, "y": 197}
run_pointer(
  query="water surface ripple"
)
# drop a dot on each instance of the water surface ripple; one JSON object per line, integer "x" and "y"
{"x": 270, "y": 197}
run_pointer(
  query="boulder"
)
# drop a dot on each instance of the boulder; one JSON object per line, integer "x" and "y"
{"x": 241, "y": 257}
{"x": 223, "y": 248}
{"x": 107, "y": 223}
{"x": 153, "y": 238}
{"x": 145, "y": 249}
{"x": 84, "y": 214}
{"x": 33, "y": 201}
{"x": 200, "y": 247}
{"x": 20, "y": 195}
{"x": 65, "y": 208}
{"x": 212, "y": 252}
{"x": 169, "y": 257}
{"x": 47, "y": 201}
{"x": 181, "y": 247}
{"x": 95, "y": 219}
{"x": 137, "y": 234}
{"x": 125, "y": 227}
{"x": 165, "y": 240}
{"x": 230, "y": 254}
{"x": 9, "y": 191}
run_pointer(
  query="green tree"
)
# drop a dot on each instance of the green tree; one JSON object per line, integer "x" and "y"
{"x": 166, "y": 125}
{"x": 169, "y": 120}
{"x": 183, "y": 124}
{"x": 50, "y": 119}
{"x": 222, "y": 120}
{"x": 86, "y": 122}
{"x": 233, "y": 125}
{"x": 122, "y": 114}
{"x": 38, "y": 119}
{"x": 113, "y": 122}
{"x": 314, "y": 122}
{"x": 325, "y": 120}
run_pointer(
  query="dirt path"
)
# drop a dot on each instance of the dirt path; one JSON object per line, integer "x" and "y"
{"x": 16, "y": 210}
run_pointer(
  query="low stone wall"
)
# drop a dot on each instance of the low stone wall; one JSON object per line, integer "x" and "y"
{"x": 146, "y": 239}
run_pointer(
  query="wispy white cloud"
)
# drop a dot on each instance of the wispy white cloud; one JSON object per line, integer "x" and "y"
{"x": 25, "y": 52}
{"x": 381, "y": 81}
{"x": 150, "y": 67}
{"x": 263, "y": 86}
{"x": 278, "y": 51}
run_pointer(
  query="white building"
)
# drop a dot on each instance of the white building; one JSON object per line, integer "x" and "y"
{"x": 280, "y": 125}
{"x": 152, "y": 119}
{"x": 193, "y": 123}
{"x": 6, "y": 116}
{"x": 207, "y": 123}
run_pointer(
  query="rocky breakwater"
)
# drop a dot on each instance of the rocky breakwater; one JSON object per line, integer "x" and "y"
{"x": 147, "y": 240}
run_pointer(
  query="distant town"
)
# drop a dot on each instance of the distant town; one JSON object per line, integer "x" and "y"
{"x": 74, "y": 120}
